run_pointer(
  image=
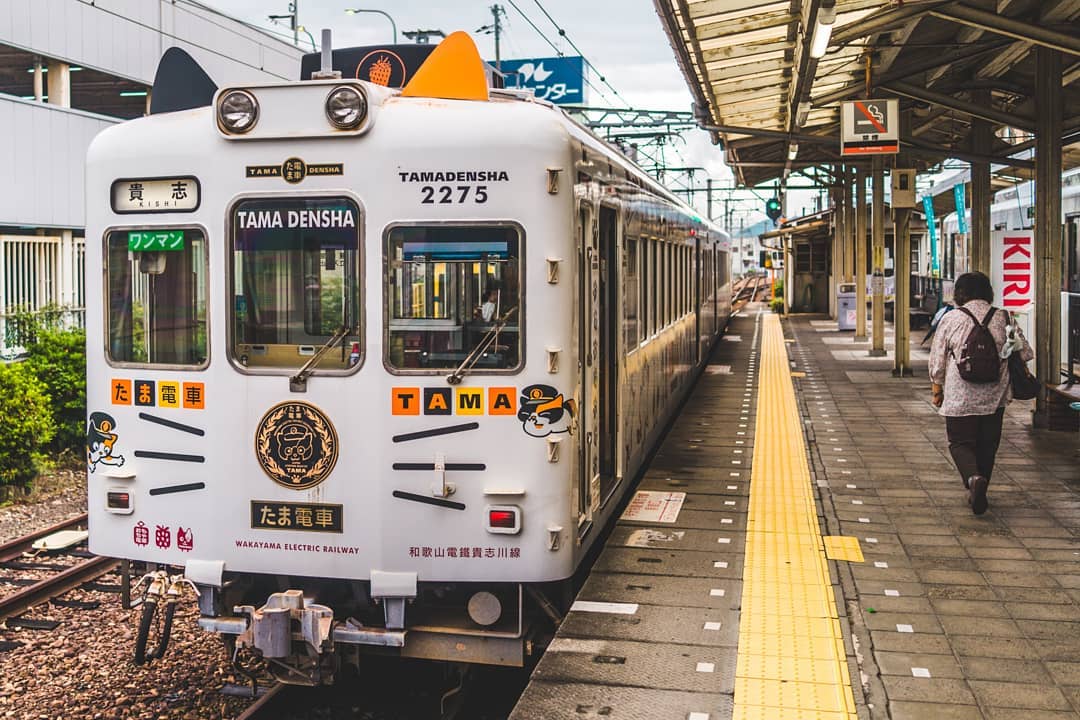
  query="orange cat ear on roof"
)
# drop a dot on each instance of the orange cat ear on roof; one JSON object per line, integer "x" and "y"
{"x": 453, "y": 71}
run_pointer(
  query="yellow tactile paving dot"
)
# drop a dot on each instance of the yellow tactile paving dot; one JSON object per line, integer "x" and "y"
{"x": 797, "y": 669}
{"x": 788, "y": 694}
{"x": 843, "y": 547}
{"x": 791, "y": 664}
{"x": 783, "y": 605}
{"x": 788, "y": 645}
{"x": 757, "y": 712}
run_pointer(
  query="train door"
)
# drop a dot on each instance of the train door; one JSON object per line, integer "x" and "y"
{"x": 608, "y": 358}
{"x": 697, "y": 298}
{"x": 588, "y": 352}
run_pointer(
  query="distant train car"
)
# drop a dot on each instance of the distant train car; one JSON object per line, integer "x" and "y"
{"x": 375, "y": 366}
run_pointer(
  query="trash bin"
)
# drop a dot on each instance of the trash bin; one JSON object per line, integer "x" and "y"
{"x": 845, "y": 306}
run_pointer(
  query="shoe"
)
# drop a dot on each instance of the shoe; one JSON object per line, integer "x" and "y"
{"x": 977, "y": 494}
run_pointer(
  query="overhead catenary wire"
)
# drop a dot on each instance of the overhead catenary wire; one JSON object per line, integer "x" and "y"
{"x": 185, "y": 41}
{"x": 558, "y": 51}
{"x": 562, "y": 34}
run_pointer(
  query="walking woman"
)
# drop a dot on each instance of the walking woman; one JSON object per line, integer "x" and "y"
{"x": 973, "y": 410}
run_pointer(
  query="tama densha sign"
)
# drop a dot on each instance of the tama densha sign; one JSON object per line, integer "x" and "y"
{"x": 870, "y": 127}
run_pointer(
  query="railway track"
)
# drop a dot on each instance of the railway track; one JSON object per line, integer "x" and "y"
{"x": 747, "y": 290}
{"x": 44, "y": 589}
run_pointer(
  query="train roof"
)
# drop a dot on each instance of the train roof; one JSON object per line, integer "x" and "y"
{"x": 451, "y": 71}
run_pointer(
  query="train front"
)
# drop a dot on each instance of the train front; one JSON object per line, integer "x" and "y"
{"x": 310, "y": 381}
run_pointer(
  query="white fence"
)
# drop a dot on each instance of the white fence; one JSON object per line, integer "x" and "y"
{"x": 40, "y": 274}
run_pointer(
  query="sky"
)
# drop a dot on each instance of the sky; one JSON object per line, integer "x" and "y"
{"x": 622, "y": 39}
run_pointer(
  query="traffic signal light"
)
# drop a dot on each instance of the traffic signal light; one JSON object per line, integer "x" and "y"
{"x": 773, "y": 209}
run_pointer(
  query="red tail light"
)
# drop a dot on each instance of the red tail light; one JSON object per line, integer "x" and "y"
{"x": 504, "y": 519}
{"x": 118, "y": 501}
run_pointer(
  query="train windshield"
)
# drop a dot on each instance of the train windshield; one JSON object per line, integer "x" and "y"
{"x": 296, "y": 282}
{"x": 454, "y": 295}
{"x": 157, "y": 297}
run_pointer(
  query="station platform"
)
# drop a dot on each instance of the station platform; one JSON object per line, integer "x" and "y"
{"x": 824, "y": 563}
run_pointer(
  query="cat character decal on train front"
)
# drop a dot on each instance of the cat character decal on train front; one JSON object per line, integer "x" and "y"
{"x": 544, "y": 411}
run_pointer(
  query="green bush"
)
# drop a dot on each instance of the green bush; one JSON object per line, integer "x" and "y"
{"x": 28, "y": 424}
{"x": 777, "y": 305}
{"x": 58, "y": 359}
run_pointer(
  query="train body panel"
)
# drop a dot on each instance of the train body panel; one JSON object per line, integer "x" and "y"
{"x": 383, "y": 259}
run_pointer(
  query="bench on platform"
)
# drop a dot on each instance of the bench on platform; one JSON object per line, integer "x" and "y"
{"x": 920, "y": 315}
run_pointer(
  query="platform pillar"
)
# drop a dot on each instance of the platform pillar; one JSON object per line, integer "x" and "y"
{"x": 849, "y": 224}
{"x": 981, "y": 193}
{"x": 59, "y": 83}
{"x": 1048, "y": 254}
{"x": 878, "y": 256}
{"x": 901, "y": 300}
{"x": 836, "y": 254}
{"x": 860, "y": 254}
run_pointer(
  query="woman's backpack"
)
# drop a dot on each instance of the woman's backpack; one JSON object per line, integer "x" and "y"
{"x": 978, "y": 360}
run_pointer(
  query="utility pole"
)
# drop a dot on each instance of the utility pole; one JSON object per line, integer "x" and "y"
{"x": 497, "y": 12}
{"x": 294, "y": 22}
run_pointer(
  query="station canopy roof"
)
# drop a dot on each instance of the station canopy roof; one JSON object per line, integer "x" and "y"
{"x": 764, "y": 96}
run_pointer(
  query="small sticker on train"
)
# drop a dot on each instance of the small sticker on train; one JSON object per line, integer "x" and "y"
{"x": 160, "y": 393}
{"x": 444, "y": 401}
{"x": 311, "y": 517}
{"x": 544, "y": 411}
{"x": 101, "y": 442}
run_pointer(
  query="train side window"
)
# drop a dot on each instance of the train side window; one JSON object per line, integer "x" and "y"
{"x": 630, "y": 299}
{"x": 157, "y": 297}
{"x": 643, "y": 295}
{"x": 454, "y": 296}
{"x": 295, "y": 283}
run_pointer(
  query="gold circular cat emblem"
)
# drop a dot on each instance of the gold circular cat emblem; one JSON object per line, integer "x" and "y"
{"x": 296, "y": 445}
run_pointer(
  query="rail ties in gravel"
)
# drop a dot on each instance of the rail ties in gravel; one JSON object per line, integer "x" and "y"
{"x": 13, "y": 549}
{"x": 42, "y": 590}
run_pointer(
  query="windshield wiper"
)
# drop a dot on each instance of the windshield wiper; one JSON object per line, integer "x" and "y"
{"x": 298, "y": 382}
{"x": 477, "y": 352}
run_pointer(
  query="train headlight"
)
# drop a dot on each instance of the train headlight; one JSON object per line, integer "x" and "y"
{"x": 346, "y": 107}
{"x": 238, "y": 111}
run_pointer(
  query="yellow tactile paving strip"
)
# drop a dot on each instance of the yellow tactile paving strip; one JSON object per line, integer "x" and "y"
{"x": 791, "y": 663}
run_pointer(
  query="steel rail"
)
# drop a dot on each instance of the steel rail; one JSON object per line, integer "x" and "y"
{"x": 55, "y": 585}
{"x": 267, "y": 706}
{"x": 13, "y": 549}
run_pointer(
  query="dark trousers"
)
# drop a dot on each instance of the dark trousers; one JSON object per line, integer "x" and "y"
{"x": 973, "y": 442}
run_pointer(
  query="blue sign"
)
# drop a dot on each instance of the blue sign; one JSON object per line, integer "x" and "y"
{"x": 931, "y": 228}
{"x": 560, "y": 80}
{"x": 961, "y": 207}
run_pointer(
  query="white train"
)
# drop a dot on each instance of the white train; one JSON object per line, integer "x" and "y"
{"x": 375, "y": 366}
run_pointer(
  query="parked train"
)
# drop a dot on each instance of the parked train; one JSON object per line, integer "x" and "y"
{"x": 375, "y": 366}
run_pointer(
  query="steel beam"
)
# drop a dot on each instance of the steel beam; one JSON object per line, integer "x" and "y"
{"x": 1009, "y": 27}
{"x": 879, "y": 23}
{"x": 968, "y": 108}
{"x": 1048, "y": 255}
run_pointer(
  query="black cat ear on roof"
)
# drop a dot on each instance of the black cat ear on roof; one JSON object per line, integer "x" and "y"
{"x": 180, "y": 84}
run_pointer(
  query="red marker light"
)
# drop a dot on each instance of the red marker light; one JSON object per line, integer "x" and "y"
{"x": 502, "y": 518}
{"x": 119, "y": 500}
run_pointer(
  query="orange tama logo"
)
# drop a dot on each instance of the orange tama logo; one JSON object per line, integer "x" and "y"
{"x": 380, "y": 71}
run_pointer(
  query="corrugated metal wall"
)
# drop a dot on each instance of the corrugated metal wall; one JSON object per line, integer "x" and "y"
{"x": 127, "y": 37}
{"x": 43, "y": 154}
